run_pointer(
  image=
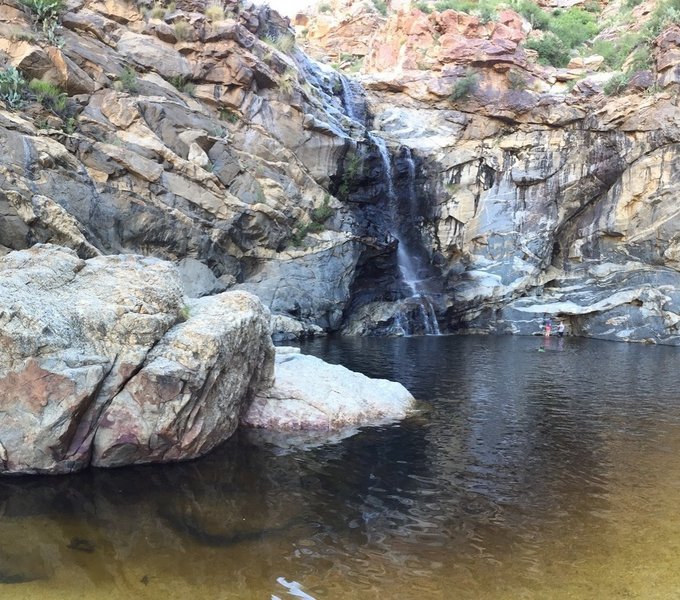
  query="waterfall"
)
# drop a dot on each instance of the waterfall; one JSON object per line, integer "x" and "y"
{"x": 355, "y": 107}
{"x": 407, "y": 260}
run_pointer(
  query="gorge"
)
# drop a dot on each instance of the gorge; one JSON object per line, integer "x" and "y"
{"x": 231, "y": 236}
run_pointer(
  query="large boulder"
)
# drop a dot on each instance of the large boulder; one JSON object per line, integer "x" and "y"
{"x": 310, "y": 394}
{"x": 84, "y": 342}
{"x": 189, "y": 394}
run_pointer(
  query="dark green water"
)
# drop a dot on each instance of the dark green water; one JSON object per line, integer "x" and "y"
{"x": 528, "y": 474}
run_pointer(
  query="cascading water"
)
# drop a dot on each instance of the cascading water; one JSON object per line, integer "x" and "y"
{"x": 354, "y": 108}
{"x": 406, "y": 258}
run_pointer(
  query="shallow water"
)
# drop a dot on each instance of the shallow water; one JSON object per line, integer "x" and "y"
{"x": 528, "y": 475}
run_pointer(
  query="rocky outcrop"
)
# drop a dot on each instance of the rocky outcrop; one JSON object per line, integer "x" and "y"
{"x": 205, "y": 142}
{"x": 102, "y": 362}
{"x": 310, "y": 394}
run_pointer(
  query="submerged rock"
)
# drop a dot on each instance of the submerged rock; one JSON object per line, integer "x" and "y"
{"x": 309, "y": 393}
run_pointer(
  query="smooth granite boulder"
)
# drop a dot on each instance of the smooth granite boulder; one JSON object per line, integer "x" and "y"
{"x": 309, "y": 393}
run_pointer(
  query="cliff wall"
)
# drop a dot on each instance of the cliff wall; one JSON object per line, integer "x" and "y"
{"x": 206, "y": 136}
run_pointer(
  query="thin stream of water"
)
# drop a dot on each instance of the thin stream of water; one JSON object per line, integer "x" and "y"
{"x": 405, "y": 259}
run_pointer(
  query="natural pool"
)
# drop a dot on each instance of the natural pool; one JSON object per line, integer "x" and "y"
{"x": 528, "y": 475}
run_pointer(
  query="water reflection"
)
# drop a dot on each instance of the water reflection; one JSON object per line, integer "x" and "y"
{"x": 526, "y": 476}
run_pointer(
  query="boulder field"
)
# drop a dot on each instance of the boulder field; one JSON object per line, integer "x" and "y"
{"x": 105, "y": 362}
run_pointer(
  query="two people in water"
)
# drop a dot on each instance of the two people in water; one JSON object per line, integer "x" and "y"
{"x": 548, "y": 326}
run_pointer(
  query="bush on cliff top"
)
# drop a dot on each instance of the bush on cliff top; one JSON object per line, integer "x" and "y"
{"x": 551, "y": 50}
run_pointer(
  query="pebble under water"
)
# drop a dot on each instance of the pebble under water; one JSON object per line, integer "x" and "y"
{"x": 525, "y": 475}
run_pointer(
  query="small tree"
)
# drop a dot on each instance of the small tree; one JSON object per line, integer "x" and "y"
{"x": 464, "y": 87}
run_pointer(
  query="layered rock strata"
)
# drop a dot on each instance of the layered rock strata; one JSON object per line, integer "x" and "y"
{"x": 212, "y": 141}
{"x": 534, "y": 198}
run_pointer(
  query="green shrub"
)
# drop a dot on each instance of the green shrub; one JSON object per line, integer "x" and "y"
{"x": 214, "y": 13}
{"x": 70, "y": 125}
{"x": 46, "y": 15}
{"x": 666, "y": 13}
{"x": 182, "y": 31}
{"x": 302, "y": 229}
{"x": 573, "y": 26}
{"x": 283, "y": 43}
{"x": 44, "y": 10}
{"x": 464, "y": 87}
{"x": 288, "y": 81}
{"x": 616, "y": 84}
{"x": 127, "y": 81}
{"x": 12, "y": 88}
{"x": 424, "y": 7}
{"x": 156, "y": 12}
{"x": 381, "y": 7}
{"x": 641, "y": 59}
{"x": 17, "y": 34}
{"x": 324, "y": 212}
{"x": 617, "y": 51}
{"x": 183, "y": 84}
{"x": 533, "y": 13}
{"x": 485, "y": 9}
{"x": 297, "y": 237}
{"x": 465, "y": 6}
{"x": 551, "y": 50}
{"x": 229, "y": 115}
{"x": 49, "y": 95}
{"x": 353, "y": 165}
{"x": 324, "y": 7}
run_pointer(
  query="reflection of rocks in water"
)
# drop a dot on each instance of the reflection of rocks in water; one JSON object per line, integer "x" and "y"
{"x": 186, "y": 527}
{"x": 81, "y": 545}
{"x": 16, "y": 569}
{"x": 285, "y": 442}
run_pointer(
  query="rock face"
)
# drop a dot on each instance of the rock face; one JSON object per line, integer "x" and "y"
{"x": 310, "y": 394}
{"x": 531, "y": 199}
{"x": 205, "y": 150}
{"x": 97, "y": 365}
{"x": 217, "y": 144}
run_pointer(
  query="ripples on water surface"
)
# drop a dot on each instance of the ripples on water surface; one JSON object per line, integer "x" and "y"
{"x": 528, "y": 474}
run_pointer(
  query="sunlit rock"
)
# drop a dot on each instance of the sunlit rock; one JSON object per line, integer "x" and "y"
{"x": 105, "y": 353}
{"x": 309, "y": 393}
